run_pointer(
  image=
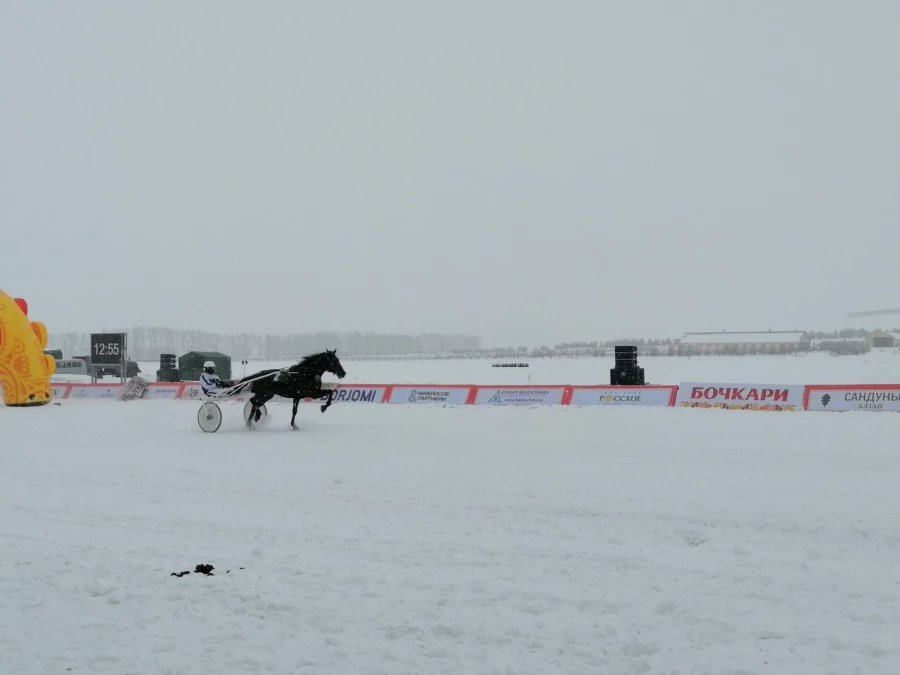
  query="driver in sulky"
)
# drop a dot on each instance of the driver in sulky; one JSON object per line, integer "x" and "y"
{"x": 210, "y": 382}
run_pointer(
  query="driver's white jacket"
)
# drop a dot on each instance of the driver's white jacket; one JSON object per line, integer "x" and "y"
{"x": 211, "y": 384}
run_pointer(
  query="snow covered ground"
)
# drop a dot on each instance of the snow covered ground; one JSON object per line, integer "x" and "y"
{"x": 879, "y": 366}
{"x": 392, "y": 540}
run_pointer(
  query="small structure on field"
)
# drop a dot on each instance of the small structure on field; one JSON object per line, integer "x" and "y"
{"x": 880, "y": 339}
{"x": 750, "y": 342}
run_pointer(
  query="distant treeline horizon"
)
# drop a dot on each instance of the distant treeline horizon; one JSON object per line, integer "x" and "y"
{"x": 147, "y": 343}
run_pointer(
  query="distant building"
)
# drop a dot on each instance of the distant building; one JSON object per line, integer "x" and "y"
{"x": 880, "y": 339}
{"x": 762, "y": 342}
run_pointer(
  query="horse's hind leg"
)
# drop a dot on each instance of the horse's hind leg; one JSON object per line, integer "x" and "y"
{"x": 255, "y": 413}
{"x": 254, "y": 403}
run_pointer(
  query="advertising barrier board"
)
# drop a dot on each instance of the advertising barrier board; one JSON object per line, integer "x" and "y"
{"x": 360, "y": 393}
{"x": 848, "y": 397}
{"x": 59, "y": 391}
{"x": 430, "y": 394}
{"x": 778, "y": 397}
{"x": 503, "y": 395}
{"x": 655, "y": 395}
{"x": 346, "y": 393}
{"x": 162, "y": 390}
{"x": 77, "y": 390}
{"x": 93, "y": 391}
{"x": 190, "y": 390}
{"x": 731, "y": 396}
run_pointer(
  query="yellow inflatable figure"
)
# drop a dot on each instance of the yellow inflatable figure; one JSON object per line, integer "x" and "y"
{"x": 24, "y": 368}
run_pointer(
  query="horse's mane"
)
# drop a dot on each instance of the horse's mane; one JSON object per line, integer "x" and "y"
{"x": 306, "y": 360}
{"x": 310, "y": 357}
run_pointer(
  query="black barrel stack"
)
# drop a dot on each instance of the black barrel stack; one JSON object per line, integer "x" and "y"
{"x": 168, "y": 369}
{"x": 627, "y": 372}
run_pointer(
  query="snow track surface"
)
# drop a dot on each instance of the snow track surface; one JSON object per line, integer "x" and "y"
{"x": 399, "y": 540}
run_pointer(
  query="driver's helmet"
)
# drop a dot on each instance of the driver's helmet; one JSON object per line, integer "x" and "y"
{"x": 209, "y": 367}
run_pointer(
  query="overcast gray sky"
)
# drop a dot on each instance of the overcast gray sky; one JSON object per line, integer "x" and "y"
{"x": 523, "y": 171}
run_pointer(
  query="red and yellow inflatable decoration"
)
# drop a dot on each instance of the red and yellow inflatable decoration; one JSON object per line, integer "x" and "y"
{"x": 24, "y": 368}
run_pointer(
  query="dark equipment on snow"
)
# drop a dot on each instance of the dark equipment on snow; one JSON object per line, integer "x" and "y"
{"x": 627, "y": 373}
{"x": 168, "y": 369}
{"x": 132, "y": 369}
{"x": 200, "y": 569}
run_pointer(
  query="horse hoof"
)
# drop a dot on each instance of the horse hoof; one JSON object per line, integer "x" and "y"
{"x": 323, "y": 408}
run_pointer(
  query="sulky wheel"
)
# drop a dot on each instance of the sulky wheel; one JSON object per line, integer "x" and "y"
{"x": 209, "y": 417}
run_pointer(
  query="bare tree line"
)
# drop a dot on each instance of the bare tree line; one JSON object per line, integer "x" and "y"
{"x": 147, "y": 343}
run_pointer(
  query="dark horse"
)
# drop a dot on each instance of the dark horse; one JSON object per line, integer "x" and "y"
{"x": 302, "y": 380}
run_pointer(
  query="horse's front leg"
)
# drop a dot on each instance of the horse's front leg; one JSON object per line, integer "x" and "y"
{"x": 327, "y": 403}
{"x": 294, "y": 414}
